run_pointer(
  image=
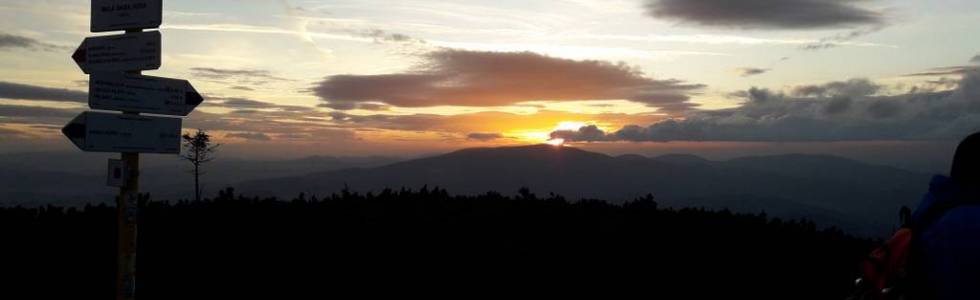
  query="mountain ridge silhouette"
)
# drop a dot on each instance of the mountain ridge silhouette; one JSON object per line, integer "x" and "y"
{"x": 836, "y": 191}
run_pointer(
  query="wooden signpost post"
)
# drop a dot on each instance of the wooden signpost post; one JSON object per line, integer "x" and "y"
{"x": 115, "y": 63}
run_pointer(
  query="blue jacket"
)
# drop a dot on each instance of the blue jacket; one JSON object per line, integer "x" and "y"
{"x": 950, "y": 247}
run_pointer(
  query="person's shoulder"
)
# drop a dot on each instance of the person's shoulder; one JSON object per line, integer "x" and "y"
{"x": 941, "y": 189}
{"x": 941, "y": 184}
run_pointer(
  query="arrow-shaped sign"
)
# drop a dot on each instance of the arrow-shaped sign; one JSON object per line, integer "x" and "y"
{"x": 109, "y": 15}
{"x": 143, "y": 94}
{"x": 117, "y": 53}
{"x": 108, "y": 132}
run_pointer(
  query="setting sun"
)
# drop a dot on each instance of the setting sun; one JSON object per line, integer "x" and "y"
{"x": 556, "y": 142}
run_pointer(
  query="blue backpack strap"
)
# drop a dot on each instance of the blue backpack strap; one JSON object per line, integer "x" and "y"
{"x": 938, "y": 210}
{"x": 917, "y": 287}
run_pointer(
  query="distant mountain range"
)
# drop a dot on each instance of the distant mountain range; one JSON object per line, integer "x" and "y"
{"x": 856, "y": 196}
{"x": 76, "y": 178}
{"x": 860, "y": 197}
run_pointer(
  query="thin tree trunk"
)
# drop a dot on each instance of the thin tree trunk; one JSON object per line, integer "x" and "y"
{"x": 197, "y": 186}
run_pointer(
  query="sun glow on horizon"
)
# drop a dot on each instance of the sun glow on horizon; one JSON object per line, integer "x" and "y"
{"x": 569, "y": 126}
{"x": 543, "y": 135}
{"x": 558, "y": 142}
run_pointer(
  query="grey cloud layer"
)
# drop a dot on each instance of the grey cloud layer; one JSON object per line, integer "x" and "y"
{"x": 10, "y": 41}
{"x": 484, "y": 136}
{"x": 840, "y": 111}
{"x": 10, "y": 133}
{"x": 946, "y": 71}
{"x": 976, "y": 59}
{"x": 849, "y": 88}
{"x": 771, "y": 14}
{"x": 472, "y": 78}
{"x": 27, "y": 113}
{"x": 35, "y": 115}
{"x": 252, "y": 136}
{"x": 30, "y": 92}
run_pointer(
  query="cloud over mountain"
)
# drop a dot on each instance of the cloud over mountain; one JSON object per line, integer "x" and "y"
{"x": 767, "y": 14}
{"x": 838, "y": 111}
{"x": 474, "y": 78}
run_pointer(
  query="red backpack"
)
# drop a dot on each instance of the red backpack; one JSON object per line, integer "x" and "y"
{"x": 884, "y": 273}
{"x": 888, "y": 272}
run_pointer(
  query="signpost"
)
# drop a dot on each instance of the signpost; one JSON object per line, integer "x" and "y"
{"x": 109, "y": 15}
{"x": 109, "y": 132}
{"x": 115, "y": 63}
{"x": 145, "y": 94}
{"x": 135, "y": 51}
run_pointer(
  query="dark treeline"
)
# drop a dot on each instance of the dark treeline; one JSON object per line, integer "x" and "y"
{"x": 429, "y": 242}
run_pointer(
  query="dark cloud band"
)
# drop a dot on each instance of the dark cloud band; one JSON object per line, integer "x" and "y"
{"x": 770, "y": 14}
{"x": 18, "y": 91}
{"x": 839, "y": 111}
{"x": 472, "y": 78}
{"x": 10, "y": 41}
{"x": 748, "y": 71}
{"x": 481, "y": 136}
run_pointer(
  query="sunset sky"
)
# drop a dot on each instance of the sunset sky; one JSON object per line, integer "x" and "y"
{"x": 862, "y": 78}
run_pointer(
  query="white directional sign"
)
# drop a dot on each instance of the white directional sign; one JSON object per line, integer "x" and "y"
{"x": 117, "y": 53}
{"x": 108, "y": 132}
{"x": 144, "y": 94}
{"x": 109, "y": 15}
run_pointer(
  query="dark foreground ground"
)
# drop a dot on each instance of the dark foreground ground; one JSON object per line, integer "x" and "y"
{"x": 411, "y": 243}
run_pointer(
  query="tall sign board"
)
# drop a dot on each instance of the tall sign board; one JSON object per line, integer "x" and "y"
{"x": 111, "y": 15}
{"x": 114, "y": 63}
{"x": 145, "y": 94}
{"x": 109, "y": 132}
{"x": 119, "y": 53}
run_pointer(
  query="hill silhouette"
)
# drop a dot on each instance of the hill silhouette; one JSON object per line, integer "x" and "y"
{"x": 857, "y": 196}
{"x": 427, "y": 242}
{"x": 80, "y": 177}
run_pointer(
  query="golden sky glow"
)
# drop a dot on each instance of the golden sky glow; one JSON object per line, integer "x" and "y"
{"x": 363, "y": 77}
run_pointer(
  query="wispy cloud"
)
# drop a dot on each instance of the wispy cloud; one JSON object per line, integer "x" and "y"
{"x": 945, "y": 71}
{"x": 719, "y": 39}
{"x": 840, "y": 39}
{"x": 238, "y": 74}
{"x": 244, "y": 28}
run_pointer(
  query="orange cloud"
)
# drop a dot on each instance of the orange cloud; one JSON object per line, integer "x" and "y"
{"x": 473, "y": 78}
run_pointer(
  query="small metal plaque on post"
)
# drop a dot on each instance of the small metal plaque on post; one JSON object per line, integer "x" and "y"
{"x": 117, "y": 173}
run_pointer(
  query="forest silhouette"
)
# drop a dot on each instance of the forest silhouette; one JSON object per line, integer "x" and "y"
{"x": 427, "y": 241}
